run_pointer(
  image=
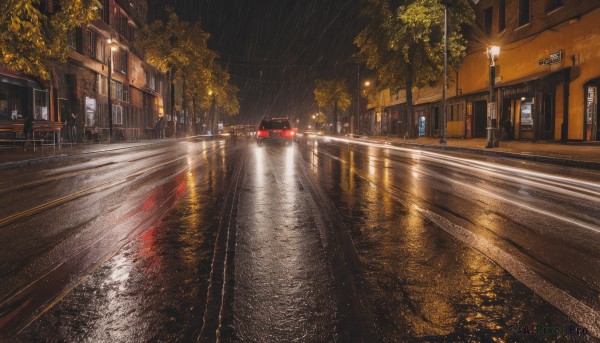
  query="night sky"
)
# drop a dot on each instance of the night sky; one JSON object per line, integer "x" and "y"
{"x": 275, "y": 49}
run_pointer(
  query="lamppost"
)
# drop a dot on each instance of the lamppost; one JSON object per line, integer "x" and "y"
{"x": 443, "y": 139}
{"x": 213, "y": 110}
{"x": 493, "y": 52}
{"x": 366, "y": 85}
{"x": 315, "y": 119}
{"x": 113, "y": 46}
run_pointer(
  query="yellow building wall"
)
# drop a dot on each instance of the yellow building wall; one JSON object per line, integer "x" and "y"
{"x": 579, "y": 41}
{"x": 456, "y": 128}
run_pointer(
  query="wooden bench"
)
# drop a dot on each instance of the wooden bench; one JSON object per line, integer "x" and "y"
{"x": 44, "y": 133}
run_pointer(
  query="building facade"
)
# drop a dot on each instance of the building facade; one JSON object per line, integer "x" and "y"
{"x": 81, "y": 86}
{"x": 546, "y": 80}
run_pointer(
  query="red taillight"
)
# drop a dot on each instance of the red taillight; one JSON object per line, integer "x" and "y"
{"x": 263, "y": 133}
{"x": 287, "y": 133}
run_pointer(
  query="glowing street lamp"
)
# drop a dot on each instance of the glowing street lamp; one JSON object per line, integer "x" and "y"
{"x": 366, "y": 84}
{"x": 493, "y": 52}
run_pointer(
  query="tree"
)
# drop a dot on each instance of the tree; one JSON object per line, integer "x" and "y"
{"x": 31, "y": 41}
{"x": 405, "y": 46}
{"x": 332, "y": 95}
{"x": 180, "y": 49}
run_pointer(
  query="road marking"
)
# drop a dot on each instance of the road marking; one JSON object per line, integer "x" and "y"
{"x": 582, "y": 314}
{"x": 56, "y": 202}
{"x": 578, "y": 311}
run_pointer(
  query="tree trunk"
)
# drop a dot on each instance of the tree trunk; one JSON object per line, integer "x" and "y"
{"x": 211, "y": 116}
{"x": 185, "y": 109}
{"x": 410, "y": 111}
{"x": 195, "y": 130}
{"x": 172, "y": 98}
{"x": 335, "y": 118}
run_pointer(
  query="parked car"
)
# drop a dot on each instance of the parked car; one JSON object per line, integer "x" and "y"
{"x": 275, "y": 130}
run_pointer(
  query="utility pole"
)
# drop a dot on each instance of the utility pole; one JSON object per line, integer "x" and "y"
{"x": 357, "y": 100}
{"x": 445, "y": 82}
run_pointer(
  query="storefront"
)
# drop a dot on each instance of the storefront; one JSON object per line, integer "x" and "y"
{"x": 534, "y": 108}
{"x": 20, "y": 97}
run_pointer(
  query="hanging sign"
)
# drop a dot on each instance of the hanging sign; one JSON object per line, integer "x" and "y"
{"x": 555, "y": 57}
{"x": 591, "y": 104}
{"x": 526, "y": 117}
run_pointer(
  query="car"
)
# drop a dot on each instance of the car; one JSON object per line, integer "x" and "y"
{"x": 275, "y": 130}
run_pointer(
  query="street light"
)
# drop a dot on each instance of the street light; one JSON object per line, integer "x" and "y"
{"x": 443, "y": 139}
{"x": 213, "y": 110}
{"x": 113, "y": 46}
{"x": 366, "y": 85}
{"x": 493, "y": 52}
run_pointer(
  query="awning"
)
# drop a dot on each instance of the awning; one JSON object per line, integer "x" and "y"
{"x": 541, "y": 75}
{"x": 19, "y": 80}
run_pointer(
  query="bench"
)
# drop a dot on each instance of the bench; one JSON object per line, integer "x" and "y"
{"x": 39, "y": 139}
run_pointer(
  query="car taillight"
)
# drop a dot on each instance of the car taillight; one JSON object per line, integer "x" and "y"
{"x": 287, "y": 133}
{"x": 263, "y": 133}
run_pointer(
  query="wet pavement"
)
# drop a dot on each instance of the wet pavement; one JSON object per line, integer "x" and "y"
{"x": 325, "y": 241}
{"x": 284, "y": 286}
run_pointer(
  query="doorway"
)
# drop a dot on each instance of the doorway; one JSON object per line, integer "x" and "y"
{"x": 479, "y": 119}
{"x": 547, "y": 116}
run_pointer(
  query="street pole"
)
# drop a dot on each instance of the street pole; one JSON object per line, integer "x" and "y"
{"x": 216, "y": 112}
{"x": 110, "y": 111}
{"x": 358, "y": 100}
{"x": 443, "y": 139}
{"x": 493, "y": 52}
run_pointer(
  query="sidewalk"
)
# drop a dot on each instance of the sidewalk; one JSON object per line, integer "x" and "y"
{"x": 583, "y": 155}
{"x": 15, "y": 157}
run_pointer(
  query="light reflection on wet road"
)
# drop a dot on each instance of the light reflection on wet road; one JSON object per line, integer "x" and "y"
{"x": 284, "y": 287}
{"x": 416, "y": 281}
{"x": 422, "y": 283}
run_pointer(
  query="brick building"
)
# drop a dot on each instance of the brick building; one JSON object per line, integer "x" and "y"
{"x": 138, "y": 91}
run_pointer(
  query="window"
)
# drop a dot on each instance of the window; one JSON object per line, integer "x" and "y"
{"x": 121, "y": 59}
{"x": 148, "y": 74}
{"x": 72, "y": 39}
{"x": 117, "y": 114}
{"x": 523, "y": 12}
{"x": 501, "y": 15}
{"x": 102, "y": 85}
{"x": 456, "y": 112}
{"x": 101, "y": 53}
{"x": 40, "y": 104}
{"x": 487, "y": 25}
{"x": 554, "y": 4}
{"x": 116, "y": 90}
{"x": 92, "y": 43}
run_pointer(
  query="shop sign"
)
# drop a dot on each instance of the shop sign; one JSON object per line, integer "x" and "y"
{"x": 491, "y": 110}
{"x": 526, "y": 117}
{"x": 90, "y": 111}
{"x": 555, "y": 57}
{"x": 591, "y": 104}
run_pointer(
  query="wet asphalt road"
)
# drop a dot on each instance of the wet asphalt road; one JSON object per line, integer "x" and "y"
{"x": 321, "y": 241}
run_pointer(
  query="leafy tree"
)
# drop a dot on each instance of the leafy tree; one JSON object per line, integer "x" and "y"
{"x": 180, "y": 49}
{"x": 405, "y": 45}
{"x": 31, "y": 41}
{"x": 332, "y": 95}
{"x": 223, "y": 95}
